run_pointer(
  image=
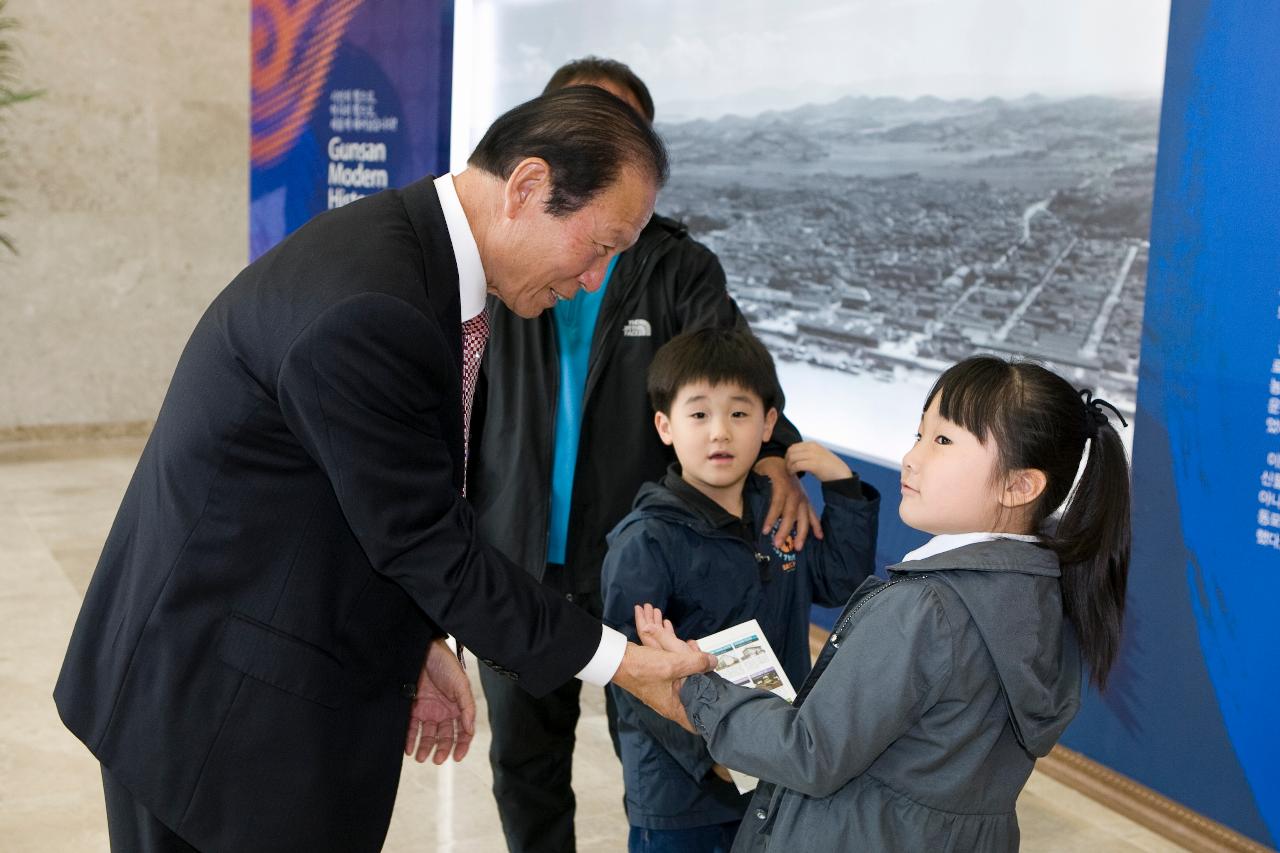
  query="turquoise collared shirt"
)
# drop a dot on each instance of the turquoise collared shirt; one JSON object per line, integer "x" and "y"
{"x": 575, "y": 321}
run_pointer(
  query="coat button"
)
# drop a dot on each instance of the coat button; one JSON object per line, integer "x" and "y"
{"x": 409, "y": 690}
{"x": 761, "y": 814}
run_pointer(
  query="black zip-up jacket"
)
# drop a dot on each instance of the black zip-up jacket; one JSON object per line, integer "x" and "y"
{"x": 665, "y": 285}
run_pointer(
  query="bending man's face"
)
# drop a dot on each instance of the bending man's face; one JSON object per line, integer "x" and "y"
{"x": 549, "y": 258}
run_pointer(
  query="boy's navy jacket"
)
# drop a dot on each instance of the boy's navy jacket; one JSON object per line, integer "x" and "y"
{"x": 706, "y": 577}
{"x": 924, "y": 714}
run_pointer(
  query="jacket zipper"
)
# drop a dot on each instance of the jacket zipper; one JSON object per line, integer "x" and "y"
{"x": 779, "y": 793}
{"x": 593, "y": 355}
{"x": 551, "y": 469}
{"x": 836, "y": 635}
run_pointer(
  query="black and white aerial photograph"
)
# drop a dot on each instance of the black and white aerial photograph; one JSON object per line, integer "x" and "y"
{"x": 890, "y": 187}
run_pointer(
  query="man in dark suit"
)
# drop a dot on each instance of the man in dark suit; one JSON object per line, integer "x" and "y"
{"x": 294, "y": 541}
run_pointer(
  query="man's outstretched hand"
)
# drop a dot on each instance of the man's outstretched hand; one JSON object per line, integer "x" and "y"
{"x": 654, "y": 671}
{"x": 443, "y": 716}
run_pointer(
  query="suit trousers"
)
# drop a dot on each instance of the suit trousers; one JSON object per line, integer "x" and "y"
{"x": 531, "y": 751}
{"x": 133, "y": 829}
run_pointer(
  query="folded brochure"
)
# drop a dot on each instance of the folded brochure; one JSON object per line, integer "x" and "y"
{"x": 744, "y": 656}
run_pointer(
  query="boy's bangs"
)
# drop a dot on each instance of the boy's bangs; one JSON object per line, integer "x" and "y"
{"x": 745, "y": 372}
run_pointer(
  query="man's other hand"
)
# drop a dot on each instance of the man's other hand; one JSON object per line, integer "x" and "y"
{"x": 789, "y": 507}
{"x": 443, "y": 716}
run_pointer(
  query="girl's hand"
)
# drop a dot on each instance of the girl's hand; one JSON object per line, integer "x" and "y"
{"x": 817, "y": 460}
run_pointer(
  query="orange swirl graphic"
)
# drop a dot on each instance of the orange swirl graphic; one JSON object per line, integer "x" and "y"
{"x": 293, "y": 48}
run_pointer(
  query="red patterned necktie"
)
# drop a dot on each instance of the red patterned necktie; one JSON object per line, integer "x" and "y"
{"x": 475, "y": 334}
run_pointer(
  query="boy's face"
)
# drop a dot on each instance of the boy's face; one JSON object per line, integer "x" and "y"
{"x": 716, "y": 431}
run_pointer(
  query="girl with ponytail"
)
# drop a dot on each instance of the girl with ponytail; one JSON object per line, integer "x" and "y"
{"x": 939, "y": 688}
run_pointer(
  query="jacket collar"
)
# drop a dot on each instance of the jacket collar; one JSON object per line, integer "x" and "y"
{"x": 422, "y": 203}
{"x": 950, "y": 541}
{"x": 989, "y": 555}
{"x": 704, "y": 507}
{"x": 656, "y": 239}
{"x": 440, "y": 274}
{"x": 659, "y": 500}
{"x": 629, "y": 278}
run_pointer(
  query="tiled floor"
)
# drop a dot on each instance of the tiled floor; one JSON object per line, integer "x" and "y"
{"x": 56, "y": 504}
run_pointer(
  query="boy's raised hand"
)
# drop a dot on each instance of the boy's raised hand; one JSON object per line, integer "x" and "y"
{"x": 817, "y": 460}
{"x": 658, "y": 634}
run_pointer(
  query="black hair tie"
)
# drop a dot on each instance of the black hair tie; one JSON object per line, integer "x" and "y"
{"x": 1094, "y": 417}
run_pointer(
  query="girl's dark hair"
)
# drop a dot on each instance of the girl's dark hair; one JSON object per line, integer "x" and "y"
{"x": 717, "y": 356}
{"x": 1038, "y": 420}
{"x": 589, "y": 69}
{"x": 585, "y": 135}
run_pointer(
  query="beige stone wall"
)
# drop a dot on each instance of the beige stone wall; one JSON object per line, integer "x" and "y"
{"x": 130, "y": 186}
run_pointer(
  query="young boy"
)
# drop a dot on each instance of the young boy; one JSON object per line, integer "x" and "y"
{"x": 692, "y": 547}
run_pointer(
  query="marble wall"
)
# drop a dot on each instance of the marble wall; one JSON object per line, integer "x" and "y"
{"x": 129, "y": 188}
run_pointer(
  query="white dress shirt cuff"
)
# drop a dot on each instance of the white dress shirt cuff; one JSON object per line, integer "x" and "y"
{"x": 601, "y": 669}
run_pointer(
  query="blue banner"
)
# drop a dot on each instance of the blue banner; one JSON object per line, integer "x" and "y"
{"x": 349, "y": 98}
{"x": 1190, "y": 710}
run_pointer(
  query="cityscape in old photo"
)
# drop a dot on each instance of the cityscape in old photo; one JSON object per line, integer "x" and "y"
{"x": 872, "y": 242}
{"x": 911, "y": 188}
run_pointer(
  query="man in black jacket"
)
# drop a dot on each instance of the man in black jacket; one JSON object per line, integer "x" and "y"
{"x": 564, "y": 410}
{"x": 294, "y": 540}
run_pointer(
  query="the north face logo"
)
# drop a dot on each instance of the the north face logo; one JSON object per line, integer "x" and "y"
{"x": 637, "y": 328}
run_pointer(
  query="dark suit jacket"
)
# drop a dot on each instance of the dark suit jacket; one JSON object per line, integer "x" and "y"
{"x": 291, "y": 540}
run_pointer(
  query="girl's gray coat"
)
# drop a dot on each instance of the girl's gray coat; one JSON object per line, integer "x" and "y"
{"x": 922, "y": 718}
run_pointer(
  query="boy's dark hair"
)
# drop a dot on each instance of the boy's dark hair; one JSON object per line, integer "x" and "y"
{"x": 586, "y": 136}
{"x": 717, "y": 356}
{"x": 592, "y": 68}
{"x": 1038, "y": 420}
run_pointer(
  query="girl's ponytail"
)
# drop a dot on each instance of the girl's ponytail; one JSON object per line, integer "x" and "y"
{"x": 1038, "y": 422}
{"x": 1092, "y": 543}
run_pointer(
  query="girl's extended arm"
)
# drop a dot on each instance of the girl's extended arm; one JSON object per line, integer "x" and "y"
{"x": 891, "y": 667}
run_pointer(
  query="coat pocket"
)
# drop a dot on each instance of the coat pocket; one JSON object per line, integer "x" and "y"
{"x": 283, "y": 661}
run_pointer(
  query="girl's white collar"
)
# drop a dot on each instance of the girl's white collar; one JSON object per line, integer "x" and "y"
{"x": 950, "y": 541}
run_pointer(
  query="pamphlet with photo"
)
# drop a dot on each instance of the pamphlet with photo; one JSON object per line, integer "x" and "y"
{"x": 744, "y": 656}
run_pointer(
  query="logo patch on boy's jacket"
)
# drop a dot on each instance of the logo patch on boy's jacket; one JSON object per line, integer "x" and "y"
{"x": 637, "y": 328}
{"x": 787, "y": 553}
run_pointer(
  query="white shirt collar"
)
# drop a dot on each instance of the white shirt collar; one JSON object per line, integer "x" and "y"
{"x": 471, "y": 280}
{"x": 950, "y": 541}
